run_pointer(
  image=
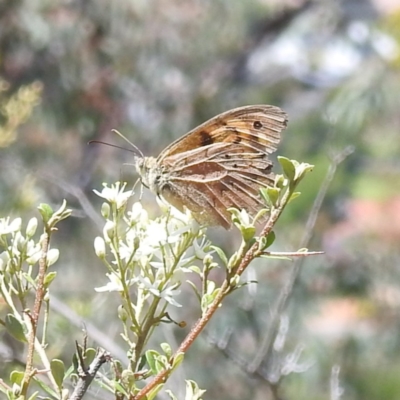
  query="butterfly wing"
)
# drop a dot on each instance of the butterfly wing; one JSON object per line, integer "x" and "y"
{"x": 223, "y": 163}
{"x": 258, "y": 126}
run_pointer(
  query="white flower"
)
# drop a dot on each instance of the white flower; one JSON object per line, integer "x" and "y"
{"x": 199, "y": 249}
{"x": 115, "y": 194}
{"x": 114, "y": 285}
{"x": 138, "y": 214}
{"x": 167, "y": 293}
{"x": 6, "y": 227}
{"x": 33, "y": 252}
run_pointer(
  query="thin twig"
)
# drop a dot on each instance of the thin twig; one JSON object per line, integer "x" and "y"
{"x": 86, "y": 375}
{"x": 292, "y": 253}
{"x": 34, "y": 317}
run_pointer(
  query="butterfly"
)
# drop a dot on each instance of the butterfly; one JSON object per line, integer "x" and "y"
{"x": 220, "y": 164}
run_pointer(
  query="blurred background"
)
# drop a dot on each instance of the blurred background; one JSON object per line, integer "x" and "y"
{"x": 73, "y": 70}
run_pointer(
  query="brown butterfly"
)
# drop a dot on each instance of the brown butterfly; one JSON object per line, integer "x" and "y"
{"x": 220, "y": 164}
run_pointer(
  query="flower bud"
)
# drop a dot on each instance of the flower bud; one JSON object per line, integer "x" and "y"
{"x": 100, "y": 247}
{"x": 105, "y": 210}
{"x": 52, "y": 256}
{"x": 31, "y": 227}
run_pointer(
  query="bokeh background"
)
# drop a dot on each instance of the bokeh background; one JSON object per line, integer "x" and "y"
{"x": 73, "y": 70}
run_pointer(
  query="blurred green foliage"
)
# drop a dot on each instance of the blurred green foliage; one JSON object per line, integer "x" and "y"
{"x": 155, "y": 69}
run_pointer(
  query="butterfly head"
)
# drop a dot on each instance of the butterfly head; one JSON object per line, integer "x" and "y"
{"x": 151, "y": 174}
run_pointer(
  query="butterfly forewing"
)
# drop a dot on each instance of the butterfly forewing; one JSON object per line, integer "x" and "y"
{"x": 222, "y": 163}
{"x": 257, "y": 127}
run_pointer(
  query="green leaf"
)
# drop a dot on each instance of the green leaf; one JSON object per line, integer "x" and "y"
{"x": 128, "y": 379}
{"x": 167, "y": 349}
{"x": 69, "y": 371}
{"x": 273, "y": 195}
{"x": 221, "y": 254}
{"x": 294, "y": 196}
{"x": 280, "y": 181}
{"x": 62, "y": 213}
{"x": 17, "y": 377}
{"x": 33, "y": 396}
{"x": 58, "y": 371}
{"x": 15, "y": 328}
{"x": 29, "y": 279}
{"x": 177, "y": 360}
{"x": 195, "y": 269}
{"x": 248, "y": 233}
{"x": 235, "y": 258}
{"x": 90, "y": 354}
{"x": 119, "y": 387}
{"x": 141, "y": 363}
{"x": 270, "y": 239}
{"x": 264, "y": 195}
{"x": 276, "y": 257}
{"x": 160, "y": 366}
{"x": 46, "y": 212}
{"x": 151, "y": 356}
{"x": 153, "y": 393}
{"x": 196, "y": 291}
{"x": 270, "y": 195}
{"x": 289, "y": 169}
{"x": 266, "y": 241}
{"x": 75, "y": 362}
{"x": 45, "y": 387}
{"x": 261, "y": 213}
{"x": 49, "y": 278}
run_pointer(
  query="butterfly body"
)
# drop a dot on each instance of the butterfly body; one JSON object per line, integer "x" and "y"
{"x": 220, "y": 164}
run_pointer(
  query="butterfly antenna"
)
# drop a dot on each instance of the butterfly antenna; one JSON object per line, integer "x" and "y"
{"x": 114, "y": 145}
{"x": 137, "y": 150}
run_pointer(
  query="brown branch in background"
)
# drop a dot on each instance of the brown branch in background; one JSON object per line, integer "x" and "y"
{"x": 95, "y": 334}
